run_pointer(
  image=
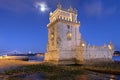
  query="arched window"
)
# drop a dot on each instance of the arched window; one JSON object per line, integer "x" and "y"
{"x": 69, "y": 35}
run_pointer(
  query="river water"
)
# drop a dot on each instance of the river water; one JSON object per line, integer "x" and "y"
{"x": 87, "y": 76}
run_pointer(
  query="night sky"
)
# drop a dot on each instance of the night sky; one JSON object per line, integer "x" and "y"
{"x": 23, "y": 23}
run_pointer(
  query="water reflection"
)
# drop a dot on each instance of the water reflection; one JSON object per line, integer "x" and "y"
{"x": 81, "y": 77}
{"x": 36, "y": 58}
{"x": 97, "y": 76}
{"x": 87, "y": 76}
{"x": 112, "y": 77}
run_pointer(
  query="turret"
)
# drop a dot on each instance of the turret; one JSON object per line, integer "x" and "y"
{"x": 59, "y": 6}
{"x": 111, "y": 47}
{"x": 64, "y": 15}
{"x": 105, "y": 46}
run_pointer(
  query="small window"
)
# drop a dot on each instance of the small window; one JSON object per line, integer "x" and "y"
{"x": 52, "y": 36}
{"x": 68, "y": 26}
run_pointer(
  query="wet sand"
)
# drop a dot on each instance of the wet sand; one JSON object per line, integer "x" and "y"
{"x": 8, "y": 64}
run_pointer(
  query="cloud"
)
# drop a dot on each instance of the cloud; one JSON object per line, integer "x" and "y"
{"x": 110, "y": 10}
{"x": 98, "y": 8}
{"x": 94, "y": 8}
{"x": 17, "y": 5}
{"x": 24, "y": 6}
{"x": 90, "y": 7}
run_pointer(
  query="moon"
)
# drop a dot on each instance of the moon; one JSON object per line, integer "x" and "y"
{"x": 41, "y": 6}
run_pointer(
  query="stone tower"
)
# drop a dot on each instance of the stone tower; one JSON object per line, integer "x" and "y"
{"x": 63, "y": 35}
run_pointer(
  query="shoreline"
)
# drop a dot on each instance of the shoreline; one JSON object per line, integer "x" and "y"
{"x": 113, "y": 72}
{"x": 46, "y": 70}
{"x": 11, "y": 64}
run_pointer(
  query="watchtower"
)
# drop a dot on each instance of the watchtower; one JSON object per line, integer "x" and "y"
{"x": 63, "y": 35}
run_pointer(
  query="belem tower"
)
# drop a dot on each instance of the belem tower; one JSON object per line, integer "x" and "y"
{"x": 65, "y": 43}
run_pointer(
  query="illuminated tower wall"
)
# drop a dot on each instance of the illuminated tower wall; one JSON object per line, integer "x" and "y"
{"x": 63, "y": 35}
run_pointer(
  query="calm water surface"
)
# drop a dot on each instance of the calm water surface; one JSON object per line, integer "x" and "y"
{"x": 41, "y": 58}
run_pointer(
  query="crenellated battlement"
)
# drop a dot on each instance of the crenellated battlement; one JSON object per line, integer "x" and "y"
{"x": 66, "y": 15}
{"x": 64, "y": 20}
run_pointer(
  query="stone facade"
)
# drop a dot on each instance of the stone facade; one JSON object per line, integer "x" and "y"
{"x": 65, "y": 44}
{"x": 86, "y": 53}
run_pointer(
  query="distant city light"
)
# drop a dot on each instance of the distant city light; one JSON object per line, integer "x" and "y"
{"x": 5, "y": 55}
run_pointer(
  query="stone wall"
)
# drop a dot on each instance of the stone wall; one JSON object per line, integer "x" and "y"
{"x": 92, "y": 54}
{"x": 52, "y": 56}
